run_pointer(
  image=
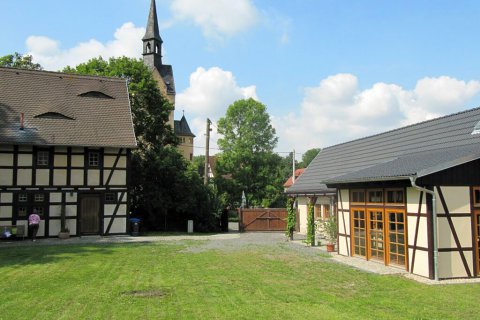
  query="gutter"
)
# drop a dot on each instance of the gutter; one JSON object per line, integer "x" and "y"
{"x": 434, "y": 225}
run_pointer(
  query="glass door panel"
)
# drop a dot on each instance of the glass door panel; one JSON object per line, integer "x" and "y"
{"x": 396, "y": 236}
{"x": 376, "y": 234}
{"x": 359, "y": 232}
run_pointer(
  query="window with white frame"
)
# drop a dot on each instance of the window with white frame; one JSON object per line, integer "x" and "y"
{"x": 93, "y": 158}
{"x": 42, "y": 158}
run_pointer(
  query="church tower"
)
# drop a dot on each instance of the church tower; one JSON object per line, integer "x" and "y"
{"x": 163, "y": 75}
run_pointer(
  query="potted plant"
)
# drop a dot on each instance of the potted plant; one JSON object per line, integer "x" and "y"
{"x": 64, "y": 231}
{"x": 330, "y": 229}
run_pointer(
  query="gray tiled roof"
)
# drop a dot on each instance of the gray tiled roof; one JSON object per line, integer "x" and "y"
{"x": 152, "y": 31}
{"x": 418, "y": 164}
{"x": 166, "y": 72}
{"x": 396, "y": 153}
{"x": 87, "y": 120}
{"x": 181, "y": 128}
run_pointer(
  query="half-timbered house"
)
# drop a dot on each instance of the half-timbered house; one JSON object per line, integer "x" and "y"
{"x": 408, "y": 198}
{"x": 65, "y": 143}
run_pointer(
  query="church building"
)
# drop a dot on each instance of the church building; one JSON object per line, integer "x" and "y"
{"x": 163, "y": 74}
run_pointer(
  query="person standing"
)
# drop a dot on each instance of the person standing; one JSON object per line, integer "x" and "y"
{"x": 33, "y": 224}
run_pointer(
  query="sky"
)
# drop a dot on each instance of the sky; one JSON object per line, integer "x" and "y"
{"x": 328, "y": 71}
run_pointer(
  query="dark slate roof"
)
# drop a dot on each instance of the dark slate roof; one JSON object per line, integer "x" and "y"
{"x": 395, "y": 154}
{"x": 166, "y": 72}
{"x": 152, "y": 31}
{"x": 181, "y": 128}
{"x": 64, "y": 109}
{"x": 418, "y": 165}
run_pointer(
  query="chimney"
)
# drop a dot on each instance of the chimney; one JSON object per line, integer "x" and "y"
{"x": 22, "y": 121}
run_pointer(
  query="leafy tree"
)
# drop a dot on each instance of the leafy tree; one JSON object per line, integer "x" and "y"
{"x": 198, "y": 163}
{"x": 166, "y": 190}
{"x": 247, "y": 162}
{"x": 308, "y": 156}
{"x": 20, "y": 61}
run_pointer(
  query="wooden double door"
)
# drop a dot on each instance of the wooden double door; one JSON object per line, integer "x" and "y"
{"x": 379, "y": 234}
{"x": 89, "y": 218}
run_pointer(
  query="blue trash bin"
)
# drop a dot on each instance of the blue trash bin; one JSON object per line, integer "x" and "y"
{"x": 135, "y": 227}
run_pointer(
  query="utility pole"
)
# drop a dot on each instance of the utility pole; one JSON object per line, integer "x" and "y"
{"x": 207, "y": 152}
{"x": 293, "y": 165}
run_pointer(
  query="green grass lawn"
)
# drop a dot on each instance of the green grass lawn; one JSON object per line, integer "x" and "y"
{"x": 164, "y": 281}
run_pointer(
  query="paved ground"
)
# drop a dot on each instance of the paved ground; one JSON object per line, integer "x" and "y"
{"x": 239, "y": 241}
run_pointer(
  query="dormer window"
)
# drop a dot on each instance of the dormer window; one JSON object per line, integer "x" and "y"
{"x": 53, "y": 115}
{"x": 476, "y": 129}
{"x": 96, "y": 94}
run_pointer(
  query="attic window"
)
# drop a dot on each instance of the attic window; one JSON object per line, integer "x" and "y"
{"x": 53, "y": 115}
{"x": 95, "y": 94}
{"x": 476, "y": 129}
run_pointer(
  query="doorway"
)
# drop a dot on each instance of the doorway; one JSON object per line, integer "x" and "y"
{"x": 89, "y": 214}
{"x": 376, "y": 238}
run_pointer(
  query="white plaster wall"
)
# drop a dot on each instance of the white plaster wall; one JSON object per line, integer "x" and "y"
{"x": 344, "y": 246}
{"x": 421, "y": 262}
{"x": 422, "y": 239}
{"x": 413, "y": 196}
{"x": 456, "y": 198}
{"x": 119, "y": 225}
{"x": 54, "y": 227}
{"x": 77, "y": 177}
{"x": 72, "y": 226}
{"x": 55, "y": 197}
{"x": 93, "y": 177}
{"x": 71, "y": 197}
{"x": 61, "y": 149}
{"x": 6, "y": 159}
{"x": 344, "y": 222}
{"x": 118, "y": 178}
{"x": 60, "y": 177}
{"x": 345, "y": 196}
{"x": 462, "y": 227}
{"x": 24, "y": 177}
{"x": 6, "y": 197}
{"x": 110, "y": 208}
{"x": 6, "y": 177}
{"x": 55, "y": 210}
{"x": 450, "y": 264}
{"x": 108, "y": 161}
{"x": 302, "y": 214}
{"x": 5, "y": 211}
{"x": 43, "y": 177}
{"x": 60, "y": 160}
{"x": 71, "y": 210}
{"x": 77, "y": 160}
{"x": 4, "y": 147}
{"x": 25, "y": 160}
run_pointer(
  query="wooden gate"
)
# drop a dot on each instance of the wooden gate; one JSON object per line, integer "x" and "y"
{"x": 263, "y": 219}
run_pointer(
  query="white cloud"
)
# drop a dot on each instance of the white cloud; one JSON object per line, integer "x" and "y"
{"x": 208, "y": 96}
{"x": 51, "y": 56}
{"x": 217, "y": 18}
{"x": 211, "y": 92}
{"x": 337, "y": 110}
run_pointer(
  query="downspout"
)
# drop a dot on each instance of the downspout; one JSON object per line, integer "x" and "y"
{"x": 434, "y": 225}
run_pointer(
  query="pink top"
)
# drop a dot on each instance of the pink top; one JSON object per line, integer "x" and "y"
{"x": 33, "y": 219}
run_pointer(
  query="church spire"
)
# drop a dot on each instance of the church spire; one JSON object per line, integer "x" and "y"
{"x": 152, "y": 42}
